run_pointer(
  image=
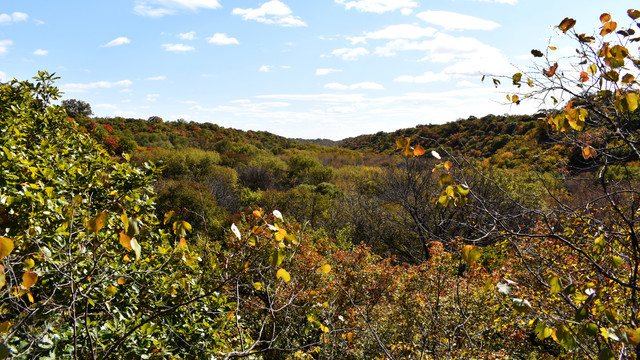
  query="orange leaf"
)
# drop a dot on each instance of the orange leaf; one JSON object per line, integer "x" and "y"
{"x": 608, "y": 28}
{"x": 183, "y": 242}
{"x": 604, "y": 18}
{"x": 566, "y": 24}
{"x": 551, "y": 71}
{"x": 588, "y": 152}
{"x": 121, "y": 281}
{"x": 125, "y": 241}
{"x": 419, "y": 151}
{"x": 448, "y": 165}
{"x": 97, "y": 223}
{"x": 584, "y": 77}
{"x": 28, "y": 279}
{"x": 257, "y": 214}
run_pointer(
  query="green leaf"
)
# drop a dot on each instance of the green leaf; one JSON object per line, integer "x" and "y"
{"x": 581, "y": 314}
{"x": 5, "y": 353}
{"x": 606, "y": 354}
{"x": 616, "y": 261}
{"x": 555, "y": 286}
{"x": 565, "y": 338}
{"x": 276, "y": 258}
{"x": 516, "y": 78}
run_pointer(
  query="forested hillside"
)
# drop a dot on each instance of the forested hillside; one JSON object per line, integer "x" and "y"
{"x": 503, "y": 237}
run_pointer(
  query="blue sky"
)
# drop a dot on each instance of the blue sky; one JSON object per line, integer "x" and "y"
{"x": 298, "y": 68}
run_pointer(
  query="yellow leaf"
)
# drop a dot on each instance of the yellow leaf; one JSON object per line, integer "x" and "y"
{"x": 515, "y": 99}
{"x": 325, "y": 269}
{"x": 125, "y": 220}
{"x": 111, "y": 290}
{"x": 3, "y": 279}
{"x": 593, "y": 69}
{"x": 125, "y": 258}
{"x": 125, "y": 240}
{"x": 29, "y": 263}
{"x": 283, "y": 274}
{"x": 167, "y": 217}
{"x": 98, "y": 223}
{"x": 4, "y": 327}
{"x": 401, "y": 143}
{"x": 257, "y": 286}
{"x": 28, "y": 279}
{"x": 257, "y": 214}
{"x": 30, "y": 297}
{"x": 553, "y": 48}
{"x": 471, "y": 254}
{"x": 634, "y": 336}
{"x": 6, "y": 247}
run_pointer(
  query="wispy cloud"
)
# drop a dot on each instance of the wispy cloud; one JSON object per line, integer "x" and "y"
{"x": 326, "y": 71}
{"x": 401, "y": 31}
{"x": 272, "y": 12}
{"x": 159, "y": 8}
{"x": 191, "y": 35}
{"x": 4, "y": 46}
{"x": 157, "y": 78}
{"x": 152, "y": 97}
{"x": 117, "y": 42}
{"x": 378, "y": 6}
{"x": 14, "y": 17}
{"x": 455, "y": 21}
{"x": 40, "y": 52}
{"x": 79, "y": 87}
{"x": 366, "y": 85}
{"x": 222, "y": 39}
{"x": 350, "y": 53}
{"x": 179, "y": 48}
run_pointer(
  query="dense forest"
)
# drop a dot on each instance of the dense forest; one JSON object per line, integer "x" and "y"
{"x": 510, "y": 237}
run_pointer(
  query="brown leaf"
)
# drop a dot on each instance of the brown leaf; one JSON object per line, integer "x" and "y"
{"x": 634, "y": 14}
{"x": 566, "y": 24}
{"x": 604, "y": 18}
{"x": 551, "y": 71}
{"x": 588, "y": 152}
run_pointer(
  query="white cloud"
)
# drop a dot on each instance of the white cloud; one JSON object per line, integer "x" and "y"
{"x": 444, "y": 48}
{"x": 326, "y": 71}
{"x": 265, "y": 68}
{"x": 159, "y": 8}
{"x": 117, "y": 42}
{"x": 222, "y": 39}
{"x": 406, "y": 11}
{"x": 15, "y": 17}
{"x": 366, "y": 85}
{"x": 401, "y": 31}
{"x": 78, "y": 87}
{"x": 350, "y": 53}
{"x": 455, "y": 21}
{"x": 105, "y": 106}
{"x": 3, "y": 76}
{"x": 272, "y": 12}
{"x": 156, "y": 78}
{"x": 378, "y": 6}
{"x": 40, "y": 52}
{"x": 427, "y": 77}
{"x": 4, "y": 46}
{"x": 152, "y": 97}
{"x": 178, "y": 47}
{"x": 191, "y": 35}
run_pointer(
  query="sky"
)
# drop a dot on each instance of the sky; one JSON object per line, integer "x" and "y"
{"x": 298, "y": 68}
